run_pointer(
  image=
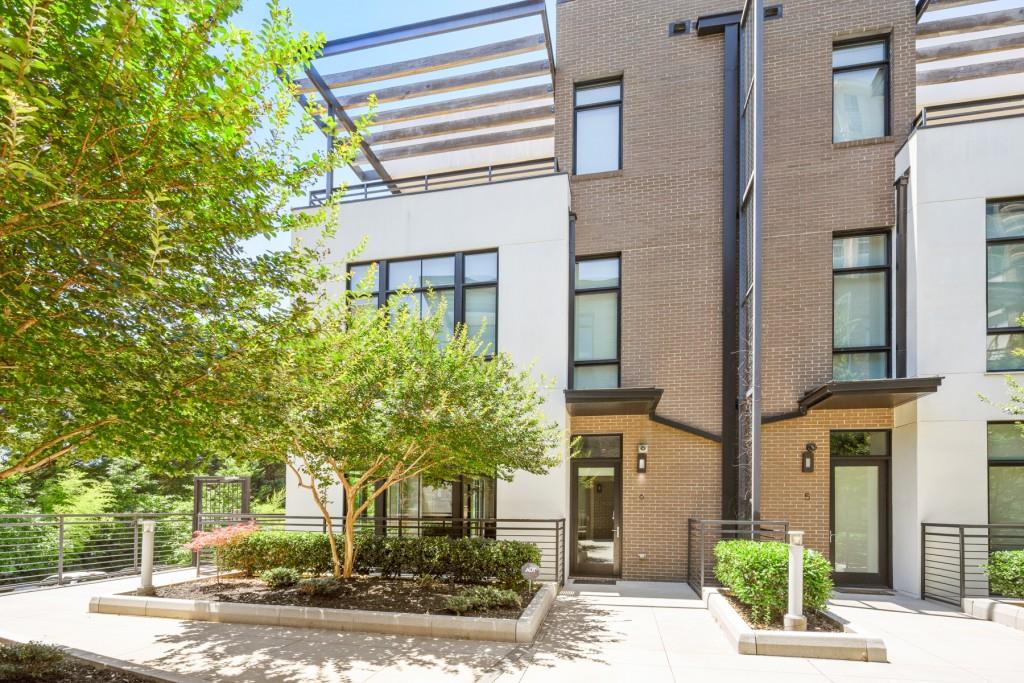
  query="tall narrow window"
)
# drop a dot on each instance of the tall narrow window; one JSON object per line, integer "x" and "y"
{"x": 1004, "y": 230}
{"x": 596, "y": 327}
{"x": 1006, "y": 474}
{"x": 860, "y": 307}
{"x": 598, "y": 124}
{"x": 860, "y": 90}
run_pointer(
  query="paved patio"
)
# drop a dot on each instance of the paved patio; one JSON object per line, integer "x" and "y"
{"x": 642, "y": 632}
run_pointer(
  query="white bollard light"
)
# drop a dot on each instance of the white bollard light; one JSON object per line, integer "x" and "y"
{"x": 148, "y": 541}
{"x": 794, "y": 619}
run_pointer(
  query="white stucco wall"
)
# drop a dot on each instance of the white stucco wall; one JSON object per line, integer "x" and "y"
{"x": 940, "y": 471}
{"x": 527, "y": 221}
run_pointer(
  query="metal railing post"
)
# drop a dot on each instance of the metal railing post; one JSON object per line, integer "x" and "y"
{"x": 963, "y": 570}
{"x": 135, "y": 544}
{"x": 60, "y": 549}
{"x": 924, "y": 559}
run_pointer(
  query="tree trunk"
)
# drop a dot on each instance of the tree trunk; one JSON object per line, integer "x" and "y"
{"x": 350, "y": 535}
{"x": 335, "y": 558}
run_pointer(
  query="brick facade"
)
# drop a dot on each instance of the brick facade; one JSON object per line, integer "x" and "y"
{"x": 662, "y": 213}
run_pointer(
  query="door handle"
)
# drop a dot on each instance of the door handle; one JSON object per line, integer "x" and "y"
{"x": 616, "y": 531}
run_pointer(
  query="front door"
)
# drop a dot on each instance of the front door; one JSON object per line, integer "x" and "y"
{"x": 596, "y": 513}
{"x": 860, "y": 508}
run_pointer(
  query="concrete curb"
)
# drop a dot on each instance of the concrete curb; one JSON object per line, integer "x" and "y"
{"x": 521, "y": 630}
{"x": 999, "y": 611}
{"x": 103, "y": 662}
{"x": 853, "y": 646}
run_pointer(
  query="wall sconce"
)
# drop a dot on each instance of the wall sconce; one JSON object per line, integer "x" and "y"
{"x": 807, "y": 457}
{"x": 641, "y": 458}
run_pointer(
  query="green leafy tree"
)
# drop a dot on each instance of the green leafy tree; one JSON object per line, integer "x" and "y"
{"x": 368, "y": 398}
{"x": 141, "y": 144}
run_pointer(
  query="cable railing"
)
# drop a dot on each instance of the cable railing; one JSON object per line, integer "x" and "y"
{"x": 969, "y": 112}
{"x": 547, "y": 534}
{"x": 58, "y": 549}
{"x": 482, "y": 175}
{"x": 953, "y": 558}
{"x": 703, "y": 534}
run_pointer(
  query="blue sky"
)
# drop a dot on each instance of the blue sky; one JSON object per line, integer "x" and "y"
{"x": 338, "y": 19}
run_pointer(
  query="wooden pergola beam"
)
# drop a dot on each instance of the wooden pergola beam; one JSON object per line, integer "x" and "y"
{"x": 462, "y": 125}
{"x": 469, "y": 142}
{"x": 972, "y": 22}
{"x": 476, "y": 79}
{"x": 420, "y": 65}
{"x": 968, "y": 48}
{"x": 970, "y": 72}
{"x": 421, "y": 111}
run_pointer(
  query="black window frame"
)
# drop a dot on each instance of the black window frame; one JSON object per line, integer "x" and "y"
{"x": 887, "y": 268}
{"x": 617, "y": 361}
{"x": 995, "y": 331}
{"x": 576, "y": 109}
{"x": 459, "y": 286}
{"x": 1017, "y": 462}
{"x": 885, "y": 63}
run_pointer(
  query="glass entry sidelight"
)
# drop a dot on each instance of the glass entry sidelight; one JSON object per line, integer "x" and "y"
{"x": 860, "y": 507}
{"x": 597, "y": 507}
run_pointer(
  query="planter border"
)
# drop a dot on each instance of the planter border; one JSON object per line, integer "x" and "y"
{"x": 1000, "y": 611}
{"x": 521, "y": 630}
{"x": 849, "y": 645}
{"x": 121, "y": 666}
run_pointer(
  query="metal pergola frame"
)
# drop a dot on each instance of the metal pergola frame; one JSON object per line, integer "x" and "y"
{"x": 338, "y": 106}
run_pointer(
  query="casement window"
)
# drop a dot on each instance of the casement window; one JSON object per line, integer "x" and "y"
{"x": 597, "y": 120}
{"x": 860, "y": 307}
{"x": 466, "y": 282}
{"x": 860, "y": 90}
{"x": 1004, "y": 232}
{"x": 596, "y": 323}
{"x": 1005, "y": 473}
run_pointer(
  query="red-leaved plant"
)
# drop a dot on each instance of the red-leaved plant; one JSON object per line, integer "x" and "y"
{"x": 219, "y": 538}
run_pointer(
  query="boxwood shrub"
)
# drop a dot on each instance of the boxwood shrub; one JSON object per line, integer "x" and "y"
{"x": 1005, "y": 571}
{"x": 463, "y": 560}
{"x": 757, "y": 574}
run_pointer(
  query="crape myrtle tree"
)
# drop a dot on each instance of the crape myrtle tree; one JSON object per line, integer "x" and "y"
{"x": 367, "y": 398}
{"x": 141, "y": 143}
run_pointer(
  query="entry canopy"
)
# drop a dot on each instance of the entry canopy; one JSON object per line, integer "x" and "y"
{"x": 869, "y": 393}
{"x": 612, "y": 401}
{"x": 482, "y": 95}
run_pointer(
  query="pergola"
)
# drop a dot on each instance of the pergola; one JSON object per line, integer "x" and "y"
{"x": 486, "y": 103}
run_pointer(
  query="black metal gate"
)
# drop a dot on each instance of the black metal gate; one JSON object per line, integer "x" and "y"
{"x": 220, "y": 496}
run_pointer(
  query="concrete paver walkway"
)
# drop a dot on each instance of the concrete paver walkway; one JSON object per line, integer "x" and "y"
{"x": 635, "y": 632}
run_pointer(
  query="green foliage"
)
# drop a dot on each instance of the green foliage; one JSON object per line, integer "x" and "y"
{"x": 756, "y": 573}
{"x": 320, "y": 585}
{"x": 142, "y": 143}
{"x": 1005, "y": 571}
{"x": 307, "y": 553}
{"x": 483, "y": 598}
{"x": 280, "y": 577}
{"x": 30, "y": 662}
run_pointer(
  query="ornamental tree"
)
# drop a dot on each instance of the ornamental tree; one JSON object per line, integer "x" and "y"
{"x": 367, "y": 398}
{"x": 141, "y": 143}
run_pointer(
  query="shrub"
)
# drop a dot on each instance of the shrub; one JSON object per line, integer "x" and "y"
{"x": 219, "y": 539}
{"x": 756, "y": 572}
{"x": 319, "y": 586}
{"x": 30, "y": 662}
{"x": 482, "y": 598}
{"x": 1005, "y": 571}
{"x": 280, "y": 577}
{"x": 306, "y": 553}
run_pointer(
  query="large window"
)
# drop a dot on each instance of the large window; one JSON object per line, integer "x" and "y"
{"x": 596, "y": 324}
{"x": 1005, "y": 473}
{"x": 1004, "y": 230}
{"x": 860, "y": 307}
{"x": 860, "y": 90}
{"x": 598, "y": 125}
{"x": 466, "y": 282}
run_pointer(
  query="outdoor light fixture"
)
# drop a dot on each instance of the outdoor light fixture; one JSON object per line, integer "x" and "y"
{"x": 641, "y": 458}
{"x": 807, "y": 457}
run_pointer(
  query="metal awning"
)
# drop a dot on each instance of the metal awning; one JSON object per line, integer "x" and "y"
{"x": 869, "y": 393}
{"x": 612, "y": 401}
{"x": 487, "y": 102}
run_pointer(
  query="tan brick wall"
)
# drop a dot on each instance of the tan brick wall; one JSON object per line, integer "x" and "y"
{"x": 662, "y": 212}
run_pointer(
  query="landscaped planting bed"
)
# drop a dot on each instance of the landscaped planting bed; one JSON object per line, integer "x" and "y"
{"x": 358, "y": 593}
{"x": 37, "y": 663}
{"x": 816, "y": 621}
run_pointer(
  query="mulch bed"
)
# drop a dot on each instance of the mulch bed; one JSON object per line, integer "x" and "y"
{"x": 76, "y": 672}
{"x": 362, "y": 593}
{"x": 816, "y": 621}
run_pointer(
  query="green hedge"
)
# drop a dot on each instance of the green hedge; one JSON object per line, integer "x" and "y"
{"x": 757, "y": 574}
{"x": 463, "y": 560}
{"x": 1005, "y": 571}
